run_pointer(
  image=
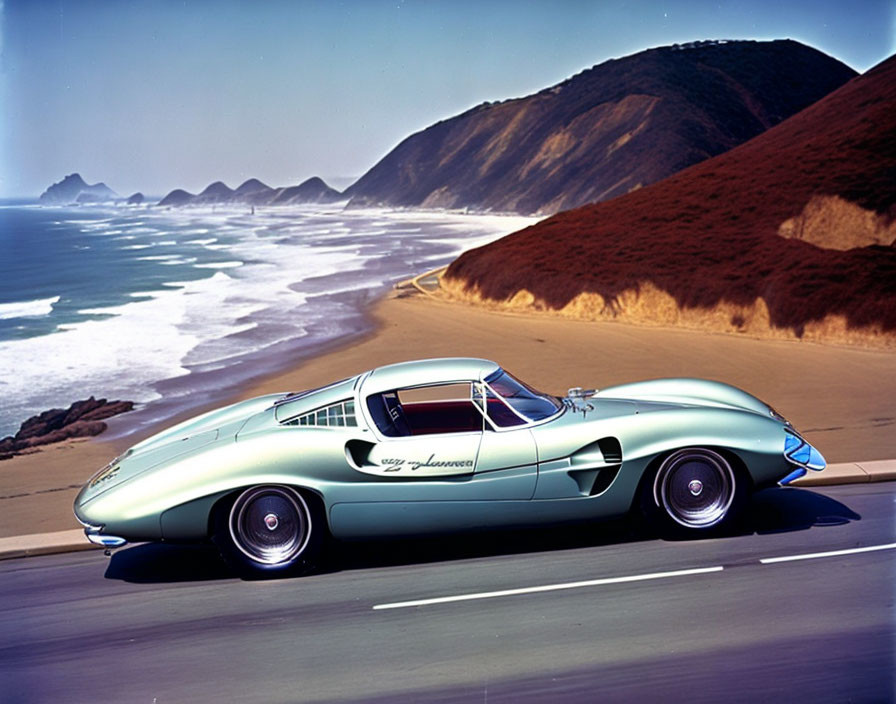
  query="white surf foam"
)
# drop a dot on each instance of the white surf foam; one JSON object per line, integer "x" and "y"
{"x": 27, "y": 309}
{"x": 218, "y": 265}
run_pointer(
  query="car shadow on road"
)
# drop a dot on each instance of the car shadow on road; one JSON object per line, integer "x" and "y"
{"x": 419, "y": 550}
{"x": 152, "y": 563}
{"x": 773, "y": 510}
{"x": 783, "y": 509}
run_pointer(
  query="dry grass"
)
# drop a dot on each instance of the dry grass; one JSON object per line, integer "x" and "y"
{"x": 647, "y": 305}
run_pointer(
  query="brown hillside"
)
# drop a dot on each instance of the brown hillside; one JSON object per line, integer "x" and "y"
{"x": 606, "y": 131}
{"x": 728, "y": 243}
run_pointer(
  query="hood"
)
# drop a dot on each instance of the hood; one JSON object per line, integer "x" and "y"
{"x": 686, "y": 392}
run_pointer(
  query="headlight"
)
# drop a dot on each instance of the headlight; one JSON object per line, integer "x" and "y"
{"x": 802, "y": 453}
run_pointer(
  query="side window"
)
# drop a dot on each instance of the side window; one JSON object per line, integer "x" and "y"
{"x": 426, "y": 410}
{"x": 387, "y": 413}
{"x": 340, "y": 414}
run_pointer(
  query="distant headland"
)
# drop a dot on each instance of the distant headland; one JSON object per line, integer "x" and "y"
{"x": 73, "y": 189}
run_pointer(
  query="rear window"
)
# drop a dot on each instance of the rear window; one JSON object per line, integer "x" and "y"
{"x": 335, "y": 415}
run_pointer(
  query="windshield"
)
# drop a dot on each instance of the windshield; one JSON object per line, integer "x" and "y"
{"x": 525, "y": 400}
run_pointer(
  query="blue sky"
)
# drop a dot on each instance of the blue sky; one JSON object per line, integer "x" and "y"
{"x": 156, "y": 95}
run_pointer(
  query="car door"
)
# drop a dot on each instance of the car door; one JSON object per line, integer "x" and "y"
{"x": 442, "y": 458}
{"x": 442, "y": 473}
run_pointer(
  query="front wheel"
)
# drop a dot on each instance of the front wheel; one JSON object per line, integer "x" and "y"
{"x": 696, "y": 490}
{"x": 269, "y": 529}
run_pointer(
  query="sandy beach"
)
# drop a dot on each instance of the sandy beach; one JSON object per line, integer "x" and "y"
{"x": 842, "y": 399}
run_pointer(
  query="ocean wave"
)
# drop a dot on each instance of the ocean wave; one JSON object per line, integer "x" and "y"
{"x": 27, "y": 309}
{"x": 217, "y": 265}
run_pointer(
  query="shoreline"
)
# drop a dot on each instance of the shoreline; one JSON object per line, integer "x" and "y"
{"x": 211, "y": 298}
{"x": 839, "y": 398}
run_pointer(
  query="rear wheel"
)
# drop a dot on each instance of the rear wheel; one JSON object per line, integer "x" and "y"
{"x": 696, "y": 490}
{"x": 269, "y": 529}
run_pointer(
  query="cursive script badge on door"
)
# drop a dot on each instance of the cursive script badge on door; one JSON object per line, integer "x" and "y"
{"x": 427, "y": 466}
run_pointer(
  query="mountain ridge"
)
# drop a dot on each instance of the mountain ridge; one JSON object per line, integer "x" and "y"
{"x": 610, "y": 129}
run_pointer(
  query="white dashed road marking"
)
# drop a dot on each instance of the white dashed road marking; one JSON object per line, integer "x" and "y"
{"x": 619, "y": 580}
{"x": 832, "y": 553}
{"x": 548, "y": 588}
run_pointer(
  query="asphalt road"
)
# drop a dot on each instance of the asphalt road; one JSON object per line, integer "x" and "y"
{"x": 168, "y": 624}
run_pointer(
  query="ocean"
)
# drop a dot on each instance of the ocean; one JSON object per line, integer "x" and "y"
{"x": 175, "y": 309}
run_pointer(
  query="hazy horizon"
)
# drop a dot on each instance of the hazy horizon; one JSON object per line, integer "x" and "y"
{"x": 163, "y": 96}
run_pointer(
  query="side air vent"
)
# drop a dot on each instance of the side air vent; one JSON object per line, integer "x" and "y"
{"x": 592, "y": 482}
{"x": 604, "y": 478}
{"x": 611, "y": 450}
{"x": 357, "y": 452}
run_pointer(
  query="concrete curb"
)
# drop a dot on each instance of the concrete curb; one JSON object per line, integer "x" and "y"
{"x": 75, "y": 540}
{"x": 851, "y": 473}
{"x": 45, "y": 544}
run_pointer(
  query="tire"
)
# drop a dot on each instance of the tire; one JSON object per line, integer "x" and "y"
{"x": 695, "y": 491}
{"x": 269, "y": 530}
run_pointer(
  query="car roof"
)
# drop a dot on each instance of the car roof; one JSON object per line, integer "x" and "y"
{"x": 426, "y": 371}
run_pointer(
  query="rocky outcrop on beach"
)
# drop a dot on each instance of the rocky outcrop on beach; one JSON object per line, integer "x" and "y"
{"x": 73, "y": 189}
{"x": 255, "y": 192}
{"x": 81, "y": 419}
{"x": 136, "y": 199}
{"x": 790, "y": 235}
{"x": 609, "y": 130}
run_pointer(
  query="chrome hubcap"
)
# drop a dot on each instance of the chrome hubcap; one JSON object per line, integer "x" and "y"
{"x": 270, "y": 524}
{"x": 695, "y": 487}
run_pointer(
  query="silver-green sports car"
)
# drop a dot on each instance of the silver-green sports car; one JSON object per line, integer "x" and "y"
{"x": 440, "y": 445}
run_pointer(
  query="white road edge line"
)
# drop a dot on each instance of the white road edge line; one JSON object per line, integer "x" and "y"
{"x": 547, "y": 588}
{"x": 832, "y": 553}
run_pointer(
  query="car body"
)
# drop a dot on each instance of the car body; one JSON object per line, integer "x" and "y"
{"x": 440, "y": 445}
